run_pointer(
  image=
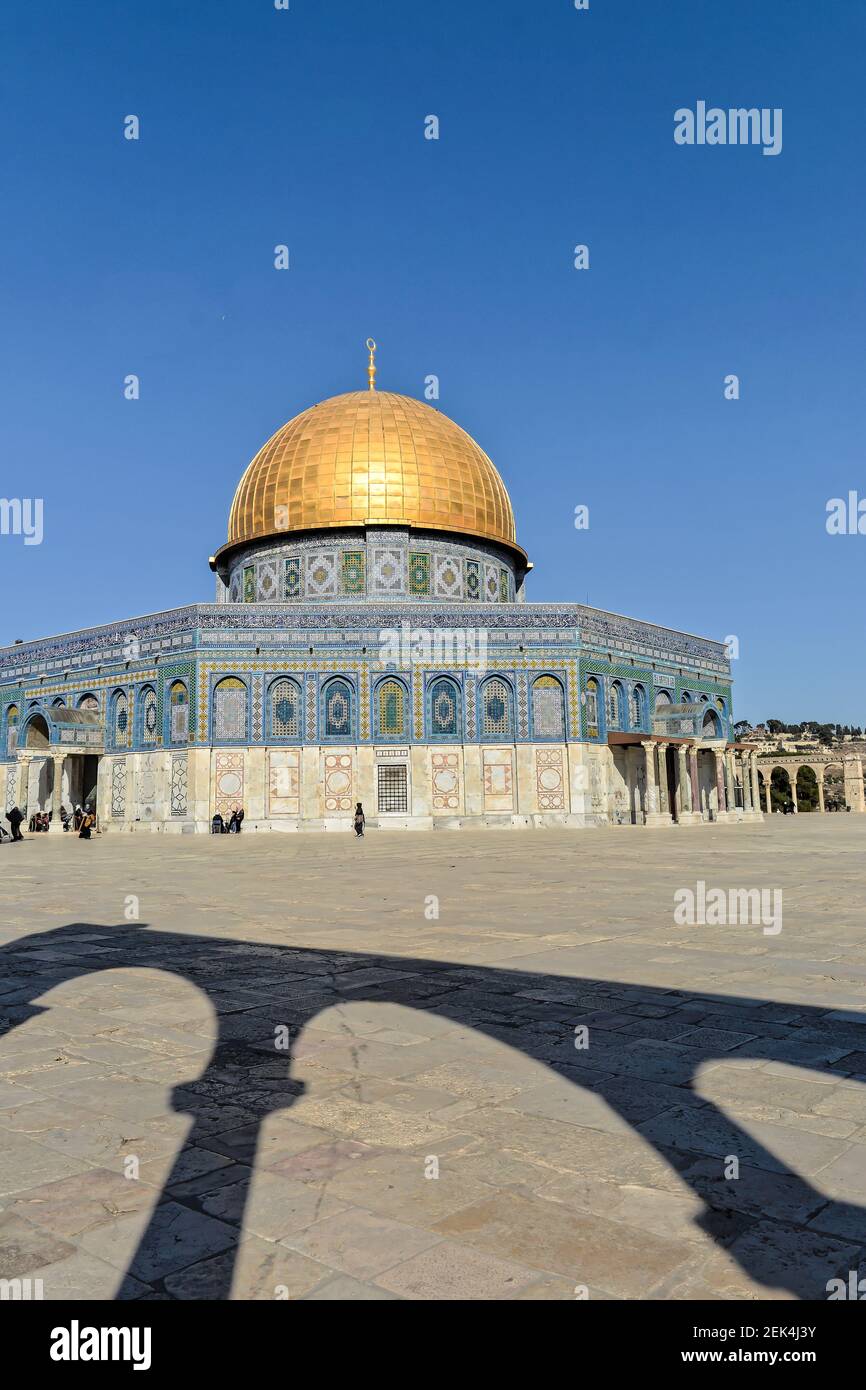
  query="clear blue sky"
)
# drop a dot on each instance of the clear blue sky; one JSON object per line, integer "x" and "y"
{"x": 603, "y": 387}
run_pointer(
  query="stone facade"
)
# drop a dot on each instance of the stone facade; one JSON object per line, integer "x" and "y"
{"x": 489, "y": 715}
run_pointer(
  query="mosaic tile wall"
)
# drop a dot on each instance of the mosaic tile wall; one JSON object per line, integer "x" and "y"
{"x": 371, "y": 568}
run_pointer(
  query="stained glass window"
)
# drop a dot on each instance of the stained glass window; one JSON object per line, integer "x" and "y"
{"x": 496, "y": 709}
{"x": 444, "y": 709}
{"x": 390, "y": 702}
{"x": 178, "y": 704}
{"x": 614, "y": 706}
{"x": 230, "y": 711}
{"x": 592, "y": 708}
{"x": 249, "y": 584}
{"x": 638, "y": 705}
{"x": 338, "y": 709}
{"x": 548, "y": 708}
{"x": 11, "y": 729}
{"x": 285, "y": 708}
{"x": 148, "y": 715}
{"x": 120, "y": 719}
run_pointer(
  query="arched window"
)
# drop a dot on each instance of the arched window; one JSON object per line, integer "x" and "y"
{"x": 338, "y": 709}
{"x": 284, "y": 708}
{"x": 638, "y": 707}
{"x": 548, "y": 708}
{"x": 687, "y": 698}
{"x": 711, "y": 725}
{"x": 615, "y": 706}
{"x": 119, "y": 719}
{"x": 445, "y": 709}
{"x": 663, "y": 697}
{"x": 89, "y": 702}
{"x": 147, "y": 704}
{"x": 178, "y": 712}
{"x": 11, "y": 729}
{"x": 230, "y": 711}
{"x": 720, "y": 704}
{"x": 591, "y": 708}
{"x": 705, "y": 699}
{"x": 391, "y": 709}
{"x": 496, "y": 720}
{"x": 59, "y": 703}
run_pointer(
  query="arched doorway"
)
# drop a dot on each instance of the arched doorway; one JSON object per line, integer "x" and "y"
{"x": 807, "y": 789}
{"x": 711, "y": 725}
{"x": 781, "y": 795}
{"x": 36, "y": 733}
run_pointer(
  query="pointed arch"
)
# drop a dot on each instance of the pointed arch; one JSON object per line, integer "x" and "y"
{"x": 285, "y": 709}
{"x": 497, "y": 709}
{"x": 615, "y": 705}
{"x": 148, "y": 717}
{"x": 391, "y": 707}
{"x": 638, "y": 712}
{"x": 230, "y": 714}
{"x": 178, "y": 712}
{"x": 444, "y": 709}
{"x": 119, "y": 721}
{"x": 11, "y": 729}
{"x": 547, "y": 703}
{"x": 338, "y": 710}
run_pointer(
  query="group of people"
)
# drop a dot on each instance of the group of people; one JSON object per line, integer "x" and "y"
{"x": 82, "y": 820}
{"x": 219, "y": 826}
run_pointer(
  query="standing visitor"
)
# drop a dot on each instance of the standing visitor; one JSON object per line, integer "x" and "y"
{"x": 360, "y": 821}
{"x": 15, "y": 818}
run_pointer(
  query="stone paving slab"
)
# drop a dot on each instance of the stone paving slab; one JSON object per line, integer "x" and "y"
{"x": 285, "y": 1080}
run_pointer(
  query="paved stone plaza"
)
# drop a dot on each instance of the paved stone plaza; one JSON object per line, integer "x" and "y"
{"x": 158, "y": 1141}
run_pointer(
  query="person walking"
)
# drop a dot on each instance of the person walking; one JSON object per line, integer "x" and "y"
{"x": 15, "y": 818}
{"x": 360, "y": 821}
{"x": 87, "y": 821}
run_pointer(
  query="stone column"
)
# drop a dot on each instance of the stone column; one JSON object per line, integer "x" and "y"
{"x": 55, "y": 825}
{"x": 23, "y": 782}
{"x": 657, "y": 810}
{"x": 852, "y": 773}
{"x": 719, "y": 759}
{"x": 652, "y": 800}
{"x": 768, "y": 788}
{"x": 819, "y": 775}
{"x": 684, "y": 787}
{"x": 731, "y": 784}
{"x": 747, "y": 790}
{"x": 756, "y": 788}
{"x": 792, "y": 779}
{"x": 696, "y": 786}
{"x": 664, "y": 788}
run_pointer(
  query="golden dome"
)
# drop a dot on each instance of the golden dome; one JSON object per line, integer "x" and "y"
{"x": 369, "y": 458}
